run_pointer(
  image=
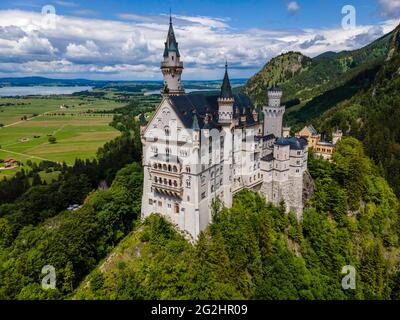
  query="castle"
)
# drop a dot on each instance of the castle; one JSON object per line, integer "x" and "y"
{"x": 322, "y": 149}
{"x": 197, "y": 148}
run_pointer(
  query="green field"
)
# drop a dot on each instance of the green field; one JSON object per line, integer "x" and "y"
{"x": 79, "y": 131}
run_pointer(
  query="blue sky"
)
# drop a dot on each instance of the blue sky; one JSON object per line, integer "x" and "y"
{"x": 124, "y": 39}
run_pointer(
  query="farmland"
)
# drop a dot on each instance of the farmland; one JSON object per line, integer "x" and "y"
{"x": 79, "y": 130}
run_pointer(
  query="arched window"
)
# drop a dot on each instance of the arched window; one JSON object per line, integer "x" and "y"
{"x": 167, "y": 131}
{"x": 175, "y": 183}
{"x": 165, "y": 167}
{"x": 169, "y": 168}
{"x": 175, "y": 169}
{"x": 170, "y": 182}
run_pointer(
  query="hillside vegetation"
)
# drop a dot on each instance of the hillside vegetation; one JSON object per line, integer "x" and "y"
{"x": 256, "y": 251}
{"x": 373, "y": 115}
{"x": 304, "y": 78}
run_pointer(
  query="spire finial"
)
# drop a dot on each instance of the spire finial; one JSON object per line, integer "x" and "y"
{"x": 170, "y": 15}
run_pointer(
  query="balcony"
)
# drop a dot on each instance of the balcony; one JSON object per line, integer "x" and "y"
{"x": 167, "y": 65}
{"x": 167, "y": 189}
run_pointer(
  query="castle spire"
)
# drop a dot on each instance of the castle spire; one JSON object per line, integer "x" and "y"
{"x": 170, "y": 43}
{"x": 226, "y": 90}
{"x": 171, "y": 66}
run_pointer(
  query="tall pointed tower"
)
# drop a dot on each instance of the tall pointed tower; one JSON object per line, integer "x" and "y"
{"x": 225, "y": 119}
{"x": 171, "y": 66}
{"x": 225, "y": 101}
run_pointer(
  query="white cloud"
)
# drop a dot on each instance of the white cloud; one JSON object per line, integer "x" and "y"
{"x": 293, "y": 6}
{"x": 87, "y": 50}
{"x": 112, "y": 49}
{"x": 389, "y": 8}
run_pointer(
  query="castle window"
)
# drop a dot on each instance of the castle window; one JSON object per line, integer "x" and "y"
{"x": 188, "y": 198}
{"x": 188, "y": 183}
{"x": 203, "y": 195}
{"x": 170, "y": 182}
{"x": 165, "y": 167}
{"x": 169, "y": 168}
{"x": 175, "y": 183}
{"x": 160, "y": 204}
{"x": 150, "y": 202}
{"x": 167, "y": 132}
{"x": 176, "y": 208}
{"x": 169, "y": 205}
{"x": 188, "y": 169}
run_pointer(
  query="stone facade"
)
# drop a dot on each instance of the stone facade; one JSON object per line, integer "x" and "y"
{"x": 197, "y": 148}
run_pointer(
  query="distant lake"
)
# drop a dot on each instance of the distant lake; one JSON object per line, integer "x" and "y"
{"x": 40, "y": 90}
{"x": 151, "y": 92}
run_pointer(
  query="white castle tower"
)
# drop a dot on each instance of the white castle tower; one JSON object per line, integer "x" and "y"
{"x": 171, "y": 66}
{"x": 225, "y": 101}
{"x": 273, "y": 113}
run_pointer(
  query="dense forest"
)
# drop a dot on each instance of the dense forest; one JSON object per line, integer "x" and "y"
{"x": 36, "y": 229}
{"x": 373, "y": 116}
{"x": 256, "y": 251}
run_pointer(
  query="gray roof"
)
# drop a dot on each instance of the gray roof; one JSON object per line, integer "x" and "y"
{"x": 312, "y": 130}
{"x": 226, "y": 90}
{"x": 326, "y": 144}
{"x": 294, "y": 143}
{"x": 186, "y": 106}
{"x": 171, "y": 44}
{"x": 268, "y": 157}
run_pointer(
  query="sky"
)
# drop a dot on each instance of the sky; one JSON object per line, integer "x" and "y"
{"x": 124, "y": 39}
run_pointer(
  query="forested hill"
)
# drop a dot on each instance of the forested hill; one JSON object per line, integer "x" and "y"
{"x": 304, "y": 78}
{"x": 373, "y": 115}
{"x": 256, "y": 251}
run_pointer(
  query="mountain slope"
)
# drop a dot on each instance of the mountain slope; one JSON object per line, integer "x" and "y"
{"x": 256, "y": 251}
{"x": 313, "y": 76}
{"x": 373, "y": 115}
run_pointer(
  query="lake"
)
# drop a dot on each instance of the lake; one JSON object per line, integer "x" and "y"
{"x": 40, "y": 90}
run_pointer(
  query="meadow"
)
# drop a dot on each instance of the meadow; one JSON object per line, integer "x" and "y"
{"x": 78, "y": 130}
